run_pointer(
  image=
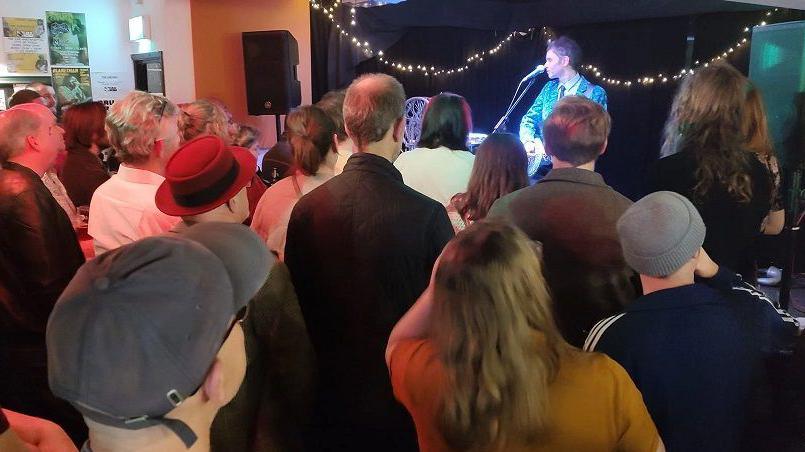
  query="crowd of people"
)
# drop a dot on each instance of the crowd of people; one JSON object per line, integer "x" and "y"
{"x": 360, "y": 299}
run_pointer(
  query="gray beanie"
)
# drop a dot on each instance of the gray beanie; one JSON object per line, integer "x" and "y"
{"x": 660, "y": 233}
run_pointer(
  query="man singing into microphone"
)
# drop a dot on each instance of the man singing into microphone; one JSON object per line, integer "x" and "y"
{"x": 561, "y": 60}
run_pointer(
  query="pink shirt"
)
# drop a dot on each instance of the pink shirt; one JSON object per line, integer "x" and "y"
{"x": 270, "y": 220}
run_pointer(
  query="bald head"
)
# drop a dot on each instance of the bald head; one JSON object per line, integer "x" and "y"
{"x": 30, "y": 127}
{"x": 372, "y": 104}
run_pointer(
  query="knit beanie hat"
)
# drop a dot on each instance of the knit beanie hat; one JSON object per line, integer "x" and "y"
{"x": 660, "y": 233}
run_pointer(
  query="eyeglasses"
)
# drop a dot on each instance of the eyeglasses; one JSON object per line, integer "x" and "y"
{"x": 162, "y": 110}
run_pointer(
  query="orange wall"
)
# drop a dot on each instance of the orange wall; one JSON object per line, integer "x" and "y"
{"x": 218, "y": 53}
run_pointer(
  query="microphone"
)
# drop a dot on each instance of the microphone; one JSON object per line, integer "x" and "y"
{"x": 537, "y": 70}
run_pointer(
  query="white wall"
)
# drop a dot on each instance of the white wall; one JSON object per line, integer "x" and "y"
{"x": 170, "y": 33}
{"x": 108, "y": 39}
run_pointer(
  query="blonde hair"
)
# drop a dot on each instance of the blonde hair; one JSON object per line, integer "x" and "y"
{"x": 707, "y": 120}
{"x": 494, "y": 332}
{"x": 132, "y": 124}
{"x": 204, "y": 117}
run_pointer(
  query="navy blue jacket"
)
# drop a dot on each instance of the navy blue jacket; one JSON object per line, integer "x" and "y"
{"x": 697, "y": 353}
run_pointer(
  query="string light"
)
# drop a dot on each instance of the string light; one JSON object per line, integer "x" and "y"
{"x": 648, "y": 80}
{"x": 477, "y": 57}
{"x": 474, "y": 60}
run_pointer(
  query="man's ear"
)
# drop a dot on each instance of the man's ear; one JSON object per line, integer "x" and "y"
{"x": 334, "y": 144}
{"x": 399, "y": 130}
{"x": 603, "y": 147}
{"x": 32, "y": 141}
{"x": 566, "y": 61}
{"x": 213, "y": 386}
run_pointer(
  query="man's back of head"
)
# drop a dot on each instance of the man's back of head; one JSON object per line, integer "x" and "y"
{"x": 141, "y": 356}
{"x": 136, "y": 123}
{"x": 576, "y": 132}
{"x": 29, "y": 134}
{"x": 25, "y": 96}
{"x": 374, "y": 106}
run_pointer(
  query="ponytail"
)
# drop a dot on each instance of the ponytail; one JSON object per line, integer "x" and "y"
{"x": 310, "y": 132}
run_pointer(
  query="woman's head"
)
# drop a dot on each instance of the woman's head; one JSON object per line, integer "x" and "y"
{"x": 500, "y": 168}
{"x": 707, "y": 119}
{"x": 755, "y": 125}
{"x": 310, "y": 132}
{"x": 84, "y": 125}
{"x": 494, "y": 332}
{"x": 204, "y": 117}
{"x": 447, "y": 122}
{"x": 246, "y": 136}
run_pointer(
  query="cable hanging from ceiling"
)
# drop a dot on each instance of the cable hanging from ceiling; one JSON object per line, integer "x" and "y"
{"x": 476, "y": 58}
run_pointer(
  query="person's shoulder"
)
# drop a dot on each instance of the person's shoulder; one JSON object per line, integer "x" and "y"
{"x": 405, "y": 158}
{"x": 419, "y": 199}
{"x": 602, "y": 331}
{"x": 552, "y": 84}
{"x": 595, "y": 368}
{"x": 279, "y": 188}
{"x": 14, "y": 183}
{"x": 502, "y": 207}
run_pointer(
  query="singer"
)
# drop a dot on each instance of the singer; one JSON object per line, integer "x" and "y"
{"x": 561, "y": 60}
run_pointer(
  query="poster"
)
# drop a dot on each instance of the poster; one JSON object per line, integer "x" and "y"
{"x": 25, "y": 44}
{"x": 107, "y": 87}
{"x": 67, "y": 33}
{"x": 72, "y": 85}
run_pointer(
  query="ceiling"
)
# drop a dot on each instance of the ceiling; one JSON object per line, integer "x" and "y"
{"x": 519, "y": 14}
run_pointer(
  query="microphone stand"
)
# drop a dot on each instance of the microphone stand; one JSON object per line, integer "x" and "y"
{"x": 514, "y": 102}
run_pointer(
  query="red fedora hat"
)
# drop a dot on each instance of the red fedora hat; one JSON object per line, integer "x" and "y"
{"x": 203, "y": 174}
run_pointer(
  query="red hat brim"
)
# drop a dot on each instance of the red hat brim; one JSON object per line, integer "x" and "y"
{"x": 247, "y": 169}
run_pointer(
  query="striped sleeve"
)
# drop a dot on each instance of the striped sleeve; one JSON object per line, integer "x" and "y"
{"x": 598, "y": 331}
{"x": 751, "y": 291}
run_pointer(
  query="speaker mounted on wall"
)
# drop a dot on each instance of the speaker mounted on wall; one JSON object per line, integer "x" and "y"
{"x": 270, "y": 59}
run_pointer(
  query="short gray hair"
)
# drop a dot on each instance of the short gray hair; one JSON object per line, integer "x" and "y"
{"x": 15, "y": 126}
{"x": 372, "y": 103}
{"x": 133, "y": 124}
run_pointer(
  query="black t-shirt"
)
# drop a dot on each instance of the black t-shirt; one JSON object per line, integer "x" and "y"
{"x": 731, "y": 225}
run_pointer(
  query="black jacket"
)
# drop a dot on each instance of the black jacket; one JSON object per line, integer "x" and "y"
{"x": 39, "y": 252}
{"x": 361, "y": 248}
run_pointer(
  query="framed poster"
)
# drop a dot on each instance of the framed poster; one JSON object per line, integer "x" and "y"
{"x": 72, "y": 85}
{"x": 67, "y": 36}
{"x": 25, "y": 45}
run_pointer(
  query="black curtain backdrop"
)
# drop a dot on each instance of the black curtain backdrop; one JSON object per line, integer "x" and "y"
{"x": 629, "y": 48}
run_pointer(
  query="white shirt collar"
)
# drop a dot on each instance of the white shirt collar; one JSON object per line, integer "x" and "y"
{"x": 572, "y": 82}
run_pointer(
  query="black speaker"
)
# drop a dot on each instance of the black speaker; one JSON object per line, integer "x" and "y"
{"x": 269, "y": 60}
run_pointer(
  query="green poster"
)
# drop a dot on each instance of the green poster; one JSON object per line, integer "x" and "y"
{"x": 67, "y": 36}
{"x": 72, "y": 85}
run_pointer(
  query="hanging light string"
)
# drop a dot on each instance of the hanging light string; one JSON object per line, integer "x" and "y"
{"x": 477, "y": 57}
{"x": 662, "y": 78}
{"x": 474, "y": 60}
